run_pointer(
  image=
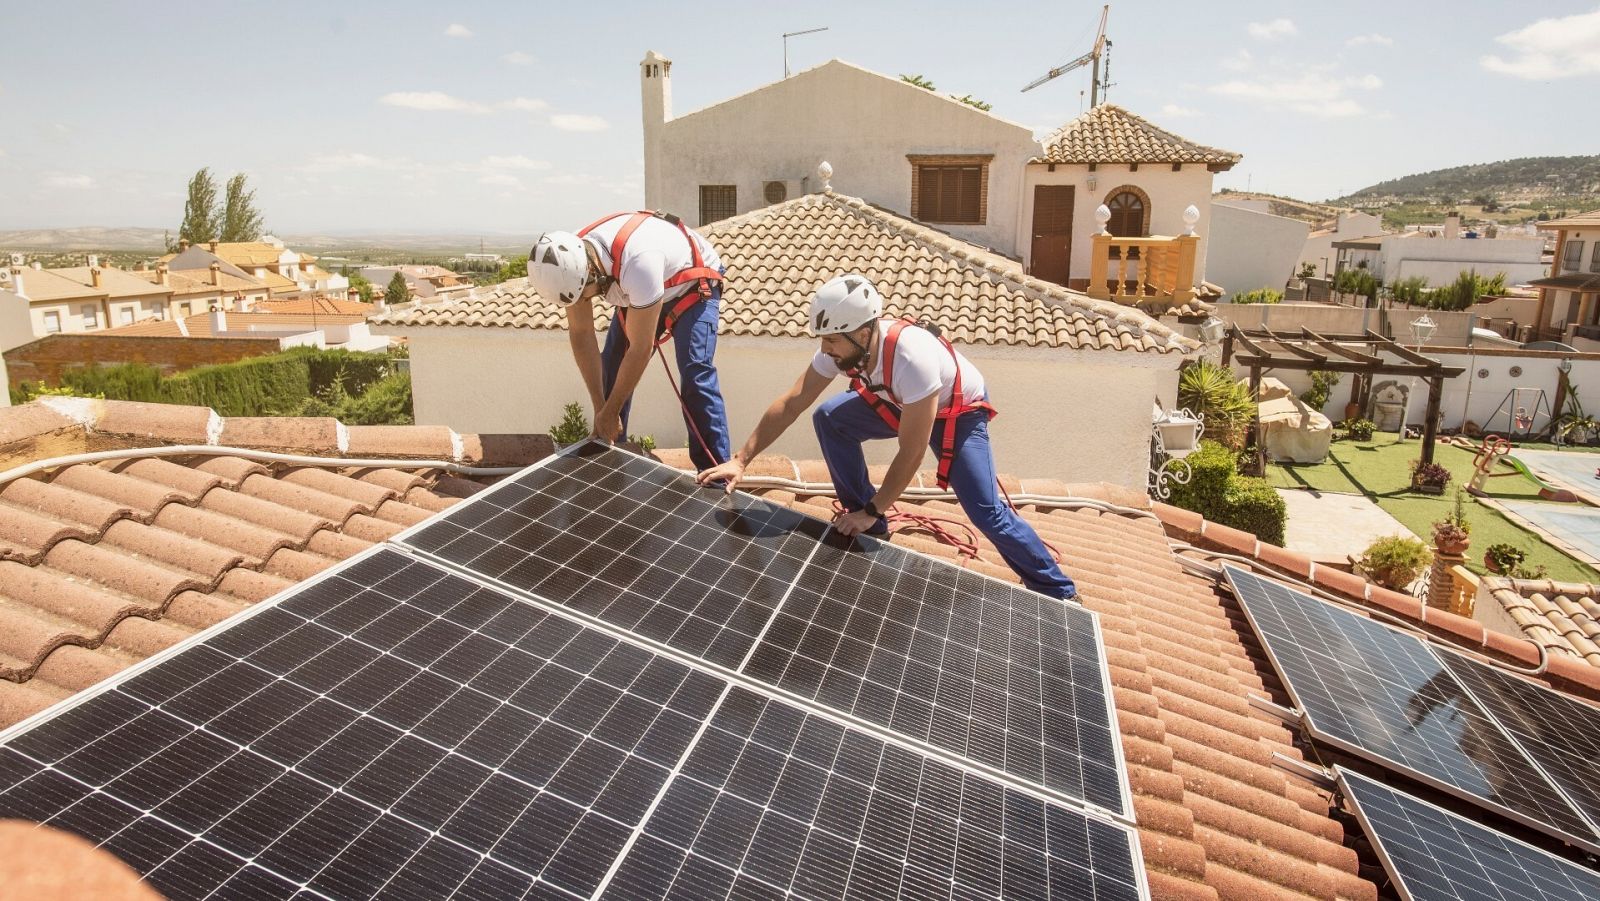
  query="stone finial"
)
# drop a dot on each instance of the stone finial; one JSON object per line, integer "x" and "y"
{"x": 825, "y": 172}
{"x": 1102, "y": 215}
{"x": 1191, "y": 216}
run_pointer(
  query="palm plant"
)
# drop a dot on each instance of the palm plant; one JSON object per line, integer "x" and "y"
{"x": 1223, "y": 402}
{"x": 1575, "y": 426}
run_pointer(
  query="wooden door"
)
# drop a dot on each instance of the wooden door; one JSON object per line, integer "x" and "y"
{"x": 1052, "y": 233}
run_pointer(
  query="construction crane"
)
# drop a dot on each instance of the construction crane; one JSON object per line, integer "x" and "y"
{"x": 1101, "y": 45}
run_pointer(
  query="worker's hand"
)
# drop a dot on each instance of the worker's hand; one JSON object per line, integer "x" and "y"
{"x": 607, "y": 424}
{"x": 728, "y": 474}
{"x": 855, "y": 522}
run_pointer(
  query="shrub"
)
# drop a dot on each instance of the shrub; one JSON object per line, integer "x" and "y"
{"x": 645, "y": 443}
{"x": 1504, "y": 558}
{"x": 1394, "y": 561}
{"x": 1259, "y": 295}
{"x": 1321, "y": 386}
{"x": 1433, "y": 475}
{"x": 1216, "y": 491}
{"x": 1356, "y": 281}
{"x": 1360, "y": 429}
{"x": 1409, "y": 290}
{"x": 574, "y": 427}
{"x": 1224, "y": 402}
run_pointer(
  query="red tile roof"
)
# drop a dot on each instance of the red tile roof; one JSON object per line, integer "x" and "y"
{"x": 104, "y": 564}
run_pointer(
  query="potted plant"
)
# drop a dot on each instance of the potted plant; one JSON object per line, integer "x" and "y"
{"x": 1505, "y": 559}
{"x": 1575, "y": 426}
{"x": 1394, "y": 561}
{"x": 1360, "y": 429}
{"x": 1452, "y": 535}
{"x": 1429, "y": 478}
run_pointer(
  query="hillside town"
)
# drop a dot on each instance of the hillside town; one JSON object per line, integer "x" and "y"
{"x": 1165, "y": 538}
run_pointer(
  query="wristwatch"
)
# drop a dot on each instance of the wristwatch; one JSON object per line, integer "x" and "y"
{"x": 871, "y": 510}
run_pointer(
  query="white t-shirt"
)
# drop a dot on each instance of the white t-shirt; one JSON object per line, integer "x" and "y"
{"x": 921, "y": 367}
{"x": 654, "y": 252}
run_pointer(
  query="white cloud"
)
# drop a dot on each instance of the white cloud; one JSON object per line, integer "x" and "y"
{"x": 518, "y": 58}
{"x": 1238, "y": 62}
{"x": 346, "y": 162}
{"x": 1318, "y": 92}
{"x": 1271, "y": 31}
{"x": 500, "y": 180}
{"x": 577, "y": 122}
{"x": 526, "y": 104}
{"x": 457, "y": 30}
{"x": 1174, "y": 111}
{"x": 76, "y": 182}
{"x": 513, "y": 162}
{"x": 1551, "y": 48}
{"x": 432, "y": 101}
{"x": 1378, "y": 39}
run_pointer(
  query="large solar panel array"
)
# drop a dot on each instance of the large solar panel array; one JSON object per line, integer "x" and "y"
{"x": 1432, "y": 854}
{"x": 422, "y": 727}
{"x": 1388, "y": 696}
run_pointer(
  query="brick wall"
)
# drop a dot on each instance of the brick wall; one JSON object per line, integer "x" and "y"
{"x": 45, "y": 359}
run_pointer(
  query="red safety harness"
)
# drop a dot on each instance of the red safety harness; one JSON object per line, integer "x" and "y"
{"x": 889, "y": 410}
{"x": 698, "y": 271}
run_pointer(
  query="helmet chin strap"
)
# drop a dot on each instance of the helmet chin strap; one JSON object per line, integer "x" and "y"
{"x": 864, "y": 353}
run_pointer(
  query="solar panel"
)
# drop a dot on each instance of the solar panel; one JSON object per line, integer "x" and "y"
{"x": 1382, "y": 694}
{"x": 1435, "y": 855}
{"x": 994, "y": 672}
{"x": 422, "y": 736}
{"x": 1560, "y": 733}
{"x": 635, "y": 544}
{"x": 773, "y": 802}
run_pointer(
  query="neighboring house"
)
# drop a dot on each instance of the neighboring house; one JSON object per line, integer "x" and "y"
{"x": 1441, "y": 258}
{"x": 16, "y": 329}
{"x": 197, "y": 263}
{"x": 284, "y": 271}
{"x": 85, "y": 298}
{"x": 1319, "y": 250}
{"x": 318, "y": 304}
{"x": 216, "y": 287}
{"x": 1569, "y": 298}
{"x": 1252, "y": 249}
{"x": 1073, "y": 378}
{"x": 426, "y": 282}
{"x": 923, "y": 155}
{"x": 108, "y": 564}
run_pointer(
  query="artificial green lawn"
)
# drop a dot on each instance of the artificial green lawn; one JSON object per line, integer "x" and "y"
{"x": 1381, "y": 470}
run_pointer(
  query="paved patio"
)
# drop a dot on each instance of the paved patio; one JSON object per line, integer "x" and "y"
{"x": 1331, "y": 527}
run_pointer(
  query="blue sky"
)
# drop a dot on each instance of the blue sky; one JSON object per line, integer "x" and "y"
{"x": 501, "y": 117}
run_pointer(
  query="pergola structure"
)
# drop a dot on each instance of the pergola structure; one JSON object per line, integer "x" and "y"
{"x": 1309, "y": 351}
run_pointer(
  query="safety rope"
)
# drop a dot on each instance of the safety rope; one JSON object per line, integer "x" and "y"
{"x": 687, "y": 416}
{"x": 942, "y": 528}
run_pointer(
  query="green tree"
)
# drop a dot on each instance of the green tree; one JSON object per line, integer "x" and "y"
{"x": 362, "y": 286}
{"x": 516, "y": 267}
{"x": 241, "y": 221}
{"x": 926, "y": 85}
{"x": 918, "y": 81}
{"x": 200, "y": 210}
{"x": 398, "y": 292}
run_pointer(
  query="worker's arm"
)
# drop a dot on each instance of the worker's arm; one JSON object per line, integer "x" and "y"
{"x": 641, "y": 333}
{"x": 916, "y": 427}
{"x": 580, "y": 334}
{"x": 782, "y": 414}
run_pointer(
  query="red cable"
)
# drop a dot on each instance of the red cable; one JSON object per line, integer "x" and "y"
{"x": 1054, "y": 551}
{"x": 687, "y": 417}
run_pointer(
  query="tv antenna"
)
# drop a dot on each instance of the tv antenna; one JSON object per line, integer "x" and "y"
{"x": 1101, "y": 48}
{"x": 789, "y": 34}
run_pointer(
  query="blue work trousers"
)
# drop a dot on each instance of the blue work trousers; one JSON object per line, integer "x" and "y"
{"x": 694, "y": 338}
{"x": 843, "y": 422}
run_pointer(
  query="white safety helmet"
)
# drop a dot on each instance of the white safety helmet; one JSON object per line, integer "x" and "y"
{"x": 558, "y": 266}
{"x": 844, "y": 304}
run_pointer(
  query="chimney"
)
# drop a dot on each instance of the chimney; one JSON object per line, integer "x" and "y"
{"x": 1452, "y": 225}
{"x": 219, "y": 321}
{"x": 94, "y": 261}
{"x": 655, "y": 88}
{"x": 94, "y": 276}
{"x": 16, "y": 281}
{"x": 212, "y": 247}
{"x": 183, "y": 244}
{"x": 216, "y": 274}
{"x": 161, "y": 275}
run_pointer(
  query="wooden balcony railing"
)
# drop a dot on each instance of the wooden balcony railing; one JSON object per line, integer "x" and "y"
{"x": 1143, "y": 270}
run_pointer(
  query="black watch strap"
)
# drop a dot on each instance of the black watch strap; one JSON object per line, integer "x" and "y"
{"x": 873, "y": 511}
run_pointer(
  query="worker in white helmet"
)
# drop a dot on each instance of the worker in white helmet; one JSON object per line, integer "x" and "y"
{"x": 665, "y": 282}
{"x": 907, "y": 382}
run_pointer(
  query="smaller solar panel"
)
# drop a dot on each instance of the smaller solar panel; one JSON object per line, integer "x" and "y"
{"x": 773, "y": 802}
{"x": 1381, "y": 693}
{"x": 1560, "y": 733}
{"x": 1435, "y": 855}
{"x": 1001, "y": 675}
{"x": 635, "y": 544}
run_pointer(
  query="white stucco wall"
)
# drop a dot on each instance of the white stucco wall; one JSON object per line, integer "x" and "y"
{"x": 862, "y": 123}
{"x": 1170, "y": 192}
{"x": 1441, "y": 260}
{"x": 1319, "y": 250}
{"x": 1251, "y": 249}
{"x": 1474, "y": 397}
{"x": 1068, "y": 415}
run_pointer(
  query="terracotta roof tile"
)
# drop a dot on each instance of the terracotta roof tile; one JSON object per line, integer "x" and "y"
{"x": 156, "y": 422}
{"x": 412, "y": 442}
{"x": 1562, "y": 616}
{"x": 777, "y": 256}
{"x": 1110, "y": 134}
{"x": 287, "y": 434}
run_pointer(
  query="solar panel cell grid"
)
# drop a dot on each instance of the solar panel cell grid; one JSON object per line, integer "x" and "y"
{"x": 1435, "y": 855}
{"x": 1001, "y": 675}
{"x": 1384, "y": 694}
{"x": 774, "y": 801}
{"x": 264, "y": 757}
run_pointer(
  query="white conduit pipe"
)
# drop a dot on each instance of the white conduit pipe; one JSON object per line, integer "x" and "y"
{"x": 1054, "y": 502}
{"x": 193, "y": 450}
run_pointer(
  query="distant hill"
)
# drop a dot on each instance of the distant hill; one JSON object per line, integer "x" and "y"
{"x": 1534, "y": 182}
{"x": 93, "y": 237}
{"x": 1319, "y": 215}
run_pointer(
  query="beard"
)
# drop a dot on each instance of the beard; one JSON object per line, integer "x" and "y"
{"x": 853, "y": 361}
